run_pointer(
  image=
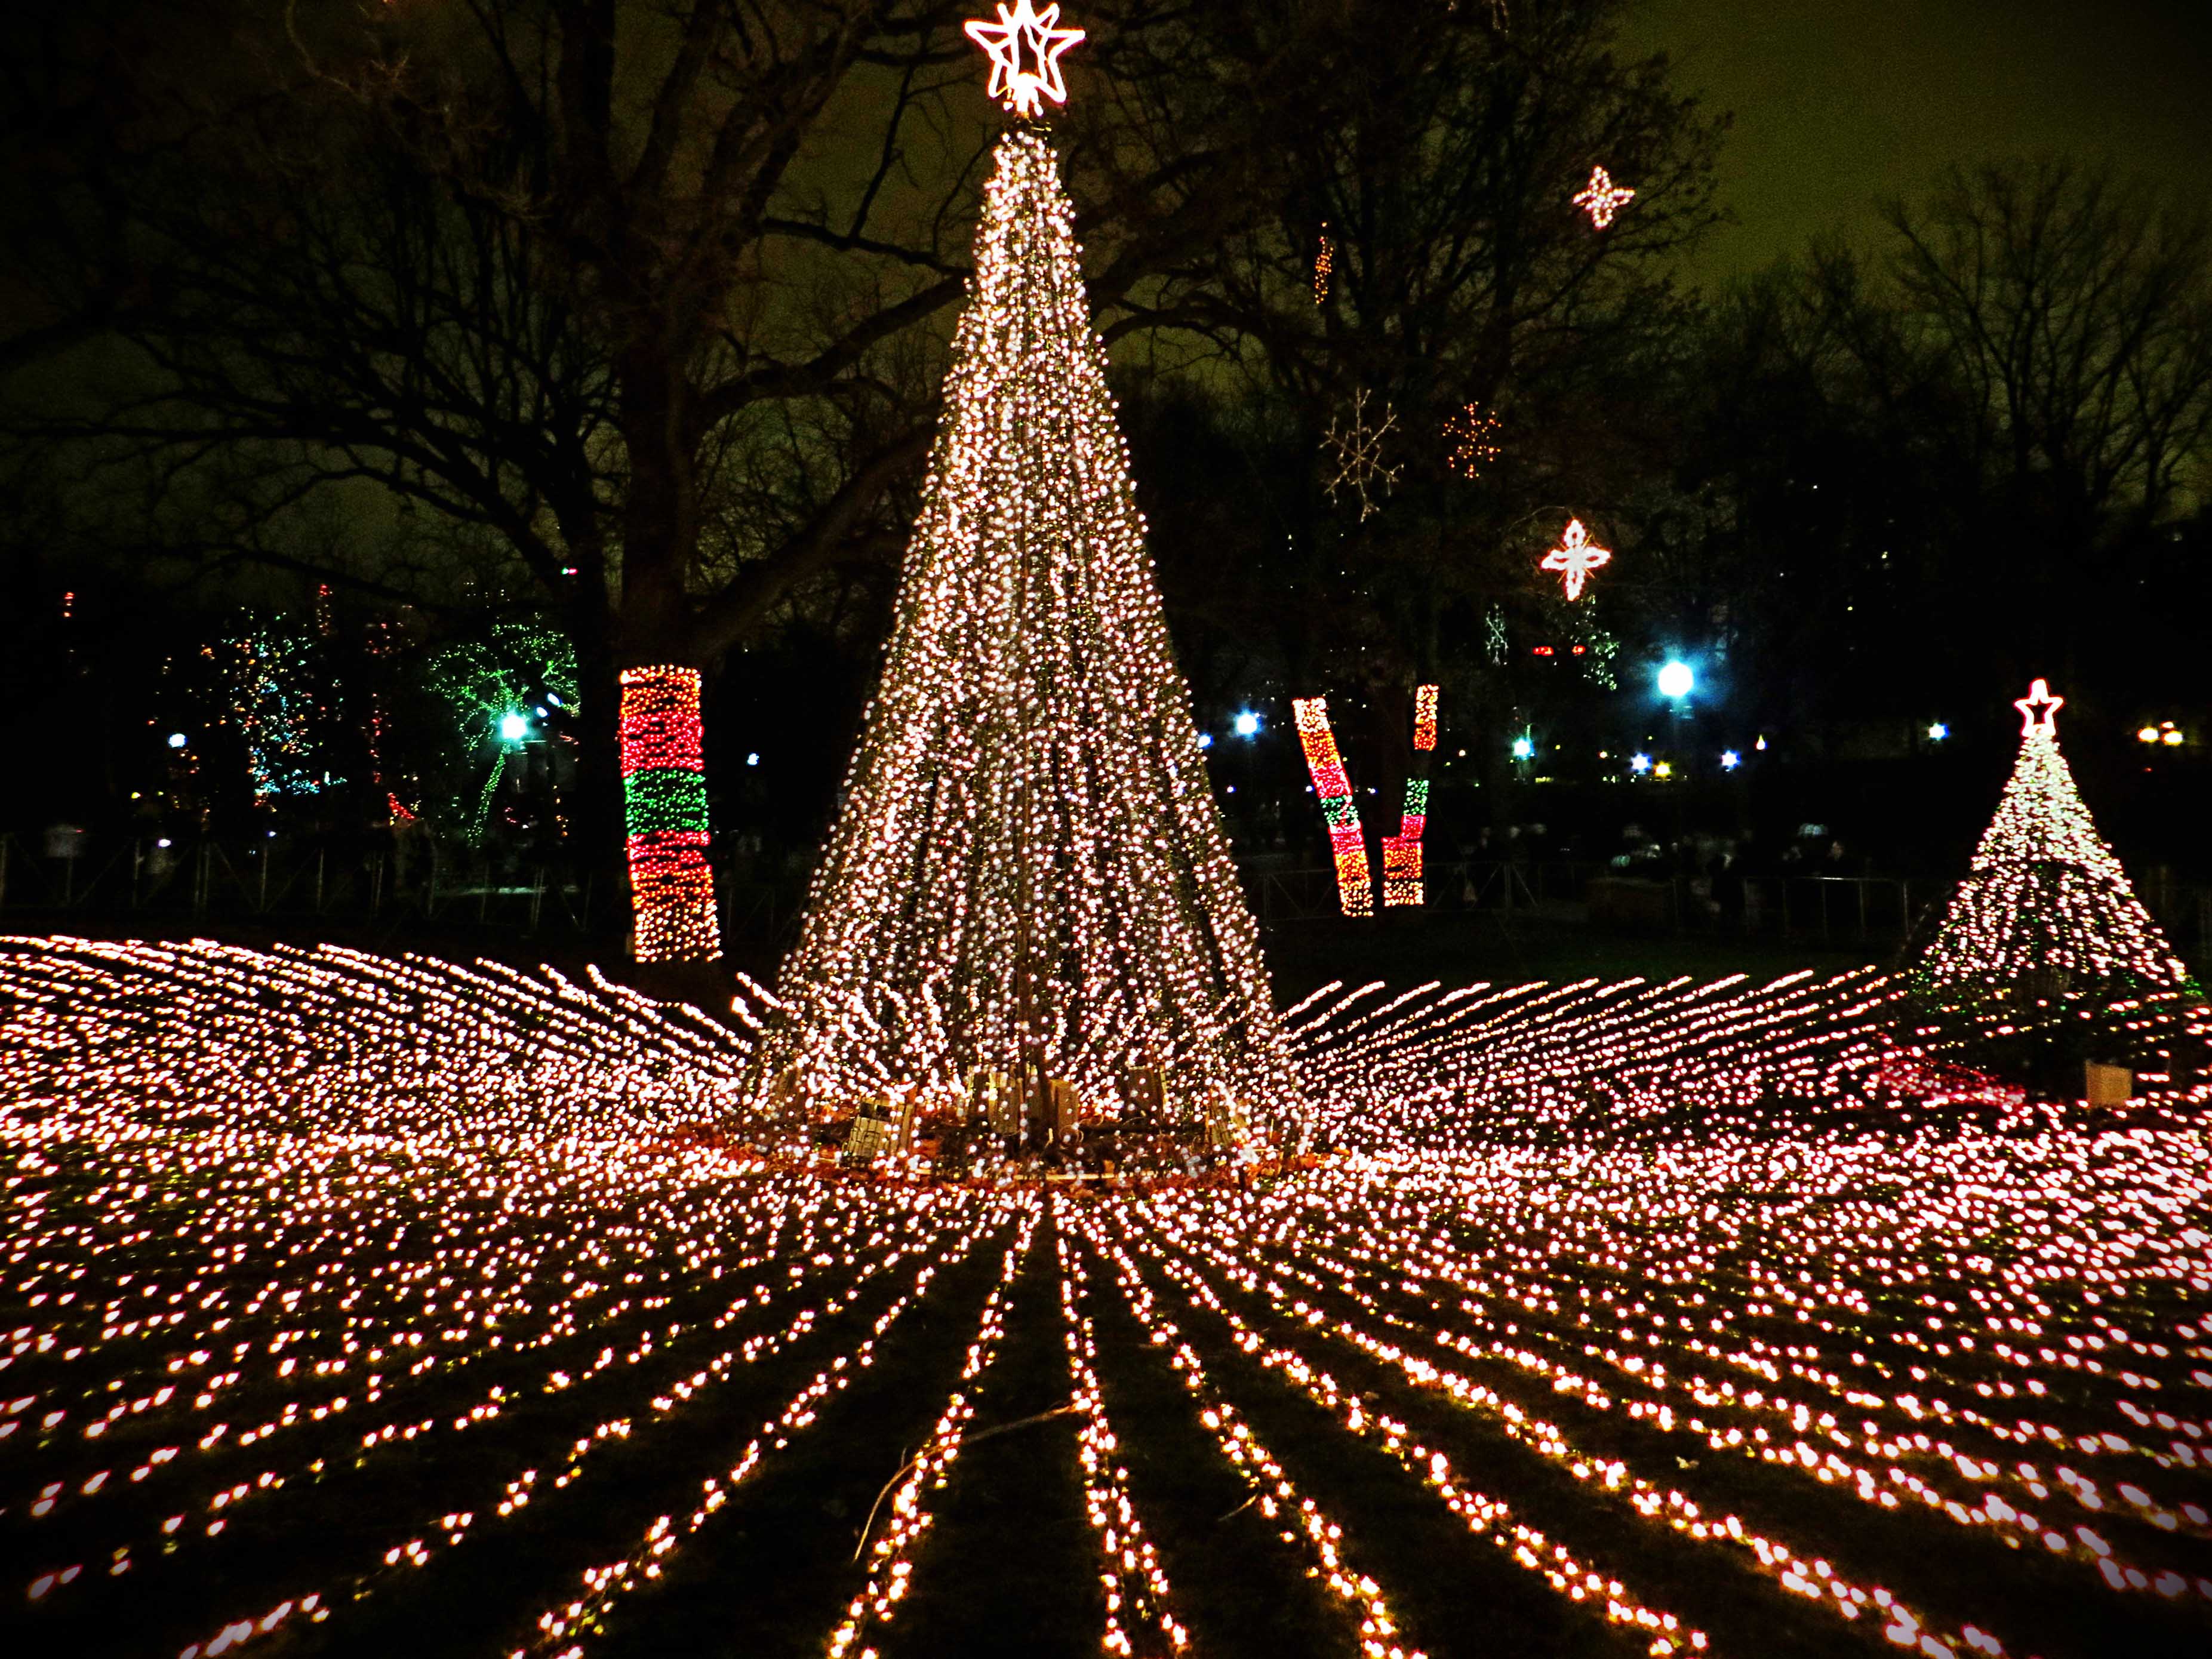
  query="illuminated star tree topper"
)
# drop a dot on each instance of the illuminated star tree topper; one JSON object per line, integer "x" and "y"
{"x": 2039, "y": 712}
{"x": 1026, "y": 48}
{"x": 1575, "y": 558}
{"x": 2044, "y": 896}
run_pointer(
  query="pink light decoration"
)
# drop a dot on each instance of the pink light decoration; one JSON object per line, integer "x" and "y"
{"x": 1601, "y": 199}
{"x": 2039, "y": 711}
{"x": 1575, "y": 558}
{"x": 1020, "y": 27}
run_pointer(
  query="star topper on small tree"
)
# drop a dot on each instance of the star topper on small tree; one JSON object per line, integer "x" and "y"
{"x": 1574, "y": 558}
{"x": 1022, "y": 29}
{"x": 2039, "y": 711}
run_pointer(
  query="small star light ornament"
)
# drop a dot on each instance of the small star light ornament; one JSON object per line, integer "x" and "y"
{"x": 1574, "y": 558}
{"x": 2039, "y": 711}
{"x": 1022, "y": 35}
{"x": 1601, "y": 200}
{"x": 1356, "y": 448}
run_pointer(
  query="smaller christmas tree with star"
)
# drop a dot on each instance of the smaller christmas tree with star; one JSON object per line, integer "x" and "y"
{"x": 2045, "y": 901}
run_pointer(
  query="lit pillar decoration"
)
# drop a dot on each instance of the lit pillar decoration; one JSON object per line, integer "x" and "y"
{"x": 2044, "y": 896}
{"x": 1402, "y": 853}
{"x": 1346, "y": 844}
{"x": 665, "y": 811}
{"x": 1029, "y": 874}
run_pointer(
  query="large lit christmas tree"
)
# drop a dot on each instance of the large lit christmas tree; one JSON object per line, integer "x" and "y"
{"x": 1028, "y": 882}
{"x": 2045, "y": 903}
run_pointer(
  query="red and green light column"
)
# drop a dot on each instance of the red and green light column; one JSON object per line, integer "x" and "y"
{"x": 665, "y": 812}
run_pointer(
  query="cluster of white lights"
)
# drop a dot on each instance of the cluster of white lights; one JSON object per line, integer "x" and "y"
{"x": 1030, "y": 876}
{"x": 2044, "y": 896}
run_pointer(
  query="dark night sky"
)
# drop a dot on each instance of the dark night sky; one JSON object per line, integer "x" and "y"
{"x": 1840, "y": 104}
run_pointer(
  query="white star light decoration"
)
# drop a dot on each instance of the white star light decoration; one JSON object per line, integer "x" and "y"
{"x": 2039, "y": 711}
{"x": 1357, "y": 448}
{"x": 1601, "y": 200}
{"x": 1023, "y": 30}
{"x": 1574, "y": 558}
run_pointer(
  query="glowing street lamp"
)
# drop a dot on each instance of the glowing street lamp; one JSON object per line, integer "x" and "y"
{"x": 1524, "y": 748}
{"x": 1675, "y": 679}
{"x": 1246, "y": 724}
{"x": 513, "y": 726}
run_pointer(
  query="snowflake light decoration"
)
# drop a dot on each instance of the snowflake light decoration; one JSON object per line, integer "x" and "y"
{"x": 1023, "y": 28}
{"x": 1356, "y": 448}
{"x": 1472, "y": 434}
{"x": 1574, "y": 558}
{"x": 1602, "y": 199}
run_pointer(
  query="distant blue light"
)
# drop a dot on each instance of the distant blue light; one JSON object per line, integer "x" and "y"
{"x": 1206, "y": 740}
{"x": 513, "y": 727}
{"x": 1938, "y": 732}
{"x": 1247, "y": 724}
{"x": 177, "y": 740}
{"x": 1639, "y": 763}
{"x": 1523, "y": 748}
{"x": 1675, "y": 679}
{"x": 1731, "y": 760}
{"x": 752, "y": 760}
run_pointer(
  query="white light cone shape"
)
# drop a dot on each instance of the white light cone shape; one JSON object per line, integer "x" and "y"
{"x": 2044, "y": 894}
{"x": 1028, "y": 867}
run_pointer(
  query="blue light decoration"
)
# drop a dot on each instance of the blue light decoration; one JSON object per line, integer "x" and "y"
{"x": 1731, "y": 760}
{"x": 1247, "y": 724}
{"x": 1640, "y": 764}
{"x": 1523, "y": 748}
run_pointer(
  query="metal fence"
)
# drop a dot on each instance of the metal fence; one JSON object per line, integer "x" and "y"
{"x": 1881, "y": 911}
{"x": 277, "y": 878}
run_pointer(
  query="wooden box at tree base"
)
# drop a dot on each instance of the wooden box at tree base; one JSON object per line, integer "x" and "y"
{"x": 869, "y": 1138}
{"x": 2107, "y": 1086}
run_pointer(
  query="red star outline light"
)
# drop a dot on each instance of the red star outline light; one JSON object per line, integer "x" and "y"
{"x": 1574, "y": 558}
{"x": 1603, "y": 198}
{"x": 2038, "y": 701}
{"x": 1020, "y": 27}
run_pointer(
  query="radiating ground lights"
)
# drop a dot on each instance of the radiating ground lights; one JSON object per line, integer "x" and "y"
{"x": 356, "y": 1304}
